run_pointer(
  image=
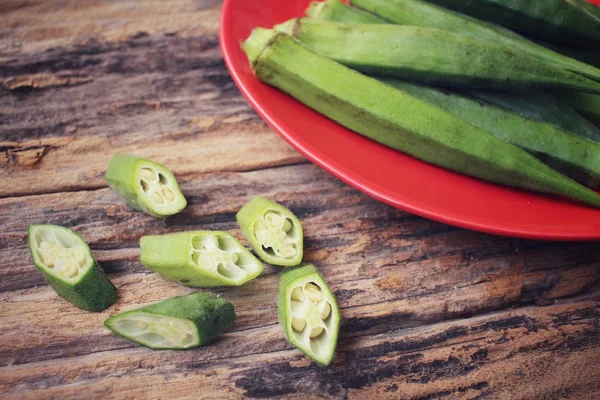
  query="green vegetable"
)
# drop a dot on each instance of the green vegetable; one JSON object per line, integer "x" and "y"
{"x": 200, "y": 259}
{"x": 543, "y": 107}
{"x": 145, "y": 185}
{"x": 177, "y": 323}
{"x": 420, "y": 13}
{"x": 65, "y": 260}
{"x": 274, "y": 231}
{"x": 429, "y": 56}
{"x": 308, "y": 313}
{"x": 336, "y": 11}
{"x": 587, "y": 104}
{"x": 576, "y": 157}
{"x": 398, "y": 120}
{"x": 571, "y": 22}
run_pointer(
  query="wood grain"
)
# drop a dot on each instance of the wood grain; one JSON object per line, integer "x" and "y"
{"x": 429, "y": 311}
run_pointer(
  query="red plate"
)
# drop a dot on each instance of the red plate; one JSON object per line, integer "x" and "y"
{"x": 387, "y": 175}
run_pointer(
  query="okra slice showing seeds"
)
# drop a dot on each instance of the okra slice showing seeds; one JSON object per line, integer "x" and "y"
{"x": 177, "y": 323}
{"x": 145, "y": 185}
{"x": 200, "y": 259}
{"x": 274, "y": 232}
{"x": 308, "y": 313}
{"x": 66, "y": 262}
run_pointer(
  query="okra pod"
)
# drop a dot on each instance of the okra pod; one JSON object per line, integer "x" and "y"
{"x": 575, "y": 157}
{"x": 274, "y": 231}
{"x": 570, "y": 22}
{"x": 400, "y": 121}
{"x": 429, "y": 56}
{"x": 145, "y": 185}
{"x": 66, "y": 262}
{"x": 177, "y": 323}
{"x": 586, "y": 104}
{"x": 543, "y": 107}
{"x": 336, "y": 11}
{"x": 420, "y": 13}
{"x": 308, "y": 313}
{"x": 200, "y": 259}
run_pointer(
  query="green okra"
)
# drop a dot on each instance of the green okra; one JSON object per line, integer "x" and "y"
{"x": 177, "y": 323}
{"x": 66, "y": 262}
{"x": 540, "y": 106}
{"x": 575, "y": 157}
{"x": 200, "y": 259}
{"x": 336, "y": 11}
{"x": 421, "y": 13}
{"x": 274, "y": 231}
{"x": 571, "y": 22}
{"x": 398, "y": 120}
{"x": 308, "y": 313}
{"x": 145, "y": 185}
{"x": 586, "y": 104}
{"x": 429, "y": 56}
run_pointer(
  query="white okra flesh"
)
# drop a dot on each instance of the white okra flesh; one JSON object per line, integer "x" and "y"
{"x": 276, "y": 234}
{"x": 61, "y": 253}
{"x": 157, "y": 331}
{"x": 156, "y": 187}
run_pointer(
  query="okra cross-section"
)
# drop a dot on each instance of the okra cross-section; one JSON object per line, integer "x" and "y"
{"x": 67, "y": 264}
{"x": 308, "y": 313}
{"x": 274, "y": 232}
{"x": 145, "y": 185}
{"x": 176, "y": 323}
{"x": 200, "y": 259}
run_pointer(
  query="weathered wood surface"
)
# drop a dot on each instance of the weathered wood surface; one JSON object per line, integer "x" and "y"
{"x": 430, "y": 311}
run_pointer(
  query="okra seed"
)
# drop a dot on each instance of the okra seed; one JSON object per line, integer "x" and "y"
{"x": 144, "y": 185}
{"x": 48, "y": 259}
{"x": 298, "y": 324}
{"x": 315, "y": 332}
{"x": 313, "y": 292}
{"x": 287, "y": 251}
{"x": 142, "y": 325}
{"x": 261, "y": 231}
{"x": 326, "y": 310}
{"x": 79, "y": 256}
{"x": 46, "y": 245}
{"x": 168, "y": 194}
{"x": 273, "y": 219}
{"x": 148, "y": 174}
{"x": 158, "y": 198}
{"x": 297, "y": 294}
{"x": 287, "y": 225}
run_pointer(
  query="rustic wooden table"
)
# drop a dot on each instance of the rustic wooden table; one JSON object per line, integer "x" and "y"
{"x": 430, "y": 311}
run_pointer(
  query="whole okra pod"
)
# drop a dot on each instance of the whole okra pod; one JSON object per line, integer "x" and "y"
{"x": 336, "y": 11}
{"x": 430, "y": 56}
{"x": 398, "y": 120}
{"x": 421, "y": 13}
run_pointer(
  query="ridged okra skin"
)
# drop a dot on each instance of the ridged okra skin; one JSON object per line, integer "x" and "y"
{"x": 542, "y": 107}
{"x": 200, "y": 258}
{"x": 336, "y": 11}
{"x": 274, "y": 231}
{"x": 422, "y": 13}
{"x": 145, "y": 185}
{"x": 575, "y": 157}
{"x": 398, "y": 120}
{"x": 308, "y": 313}
{"x": 66, "y": 262}
{"x": 570, "y": 22}
{"x": 182, "y": 322}
{"x": 430, "y": 56}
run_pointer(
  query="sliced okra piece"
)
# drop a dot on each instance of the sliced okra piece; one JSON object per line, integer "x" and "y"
{"x": 177, "y": 323}
{"x": 145, "y": 185}
{"x": 200, "y": 259}
{"x": 308, "y": 313}
{"x": 274, "y": 232}
{"x": 66, "y": 262}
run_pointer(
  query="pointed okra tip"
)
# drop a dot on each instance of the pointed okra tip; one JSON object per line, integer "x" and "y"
{"x": 288, "y": 27}
{"x": 257, "y": 42}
